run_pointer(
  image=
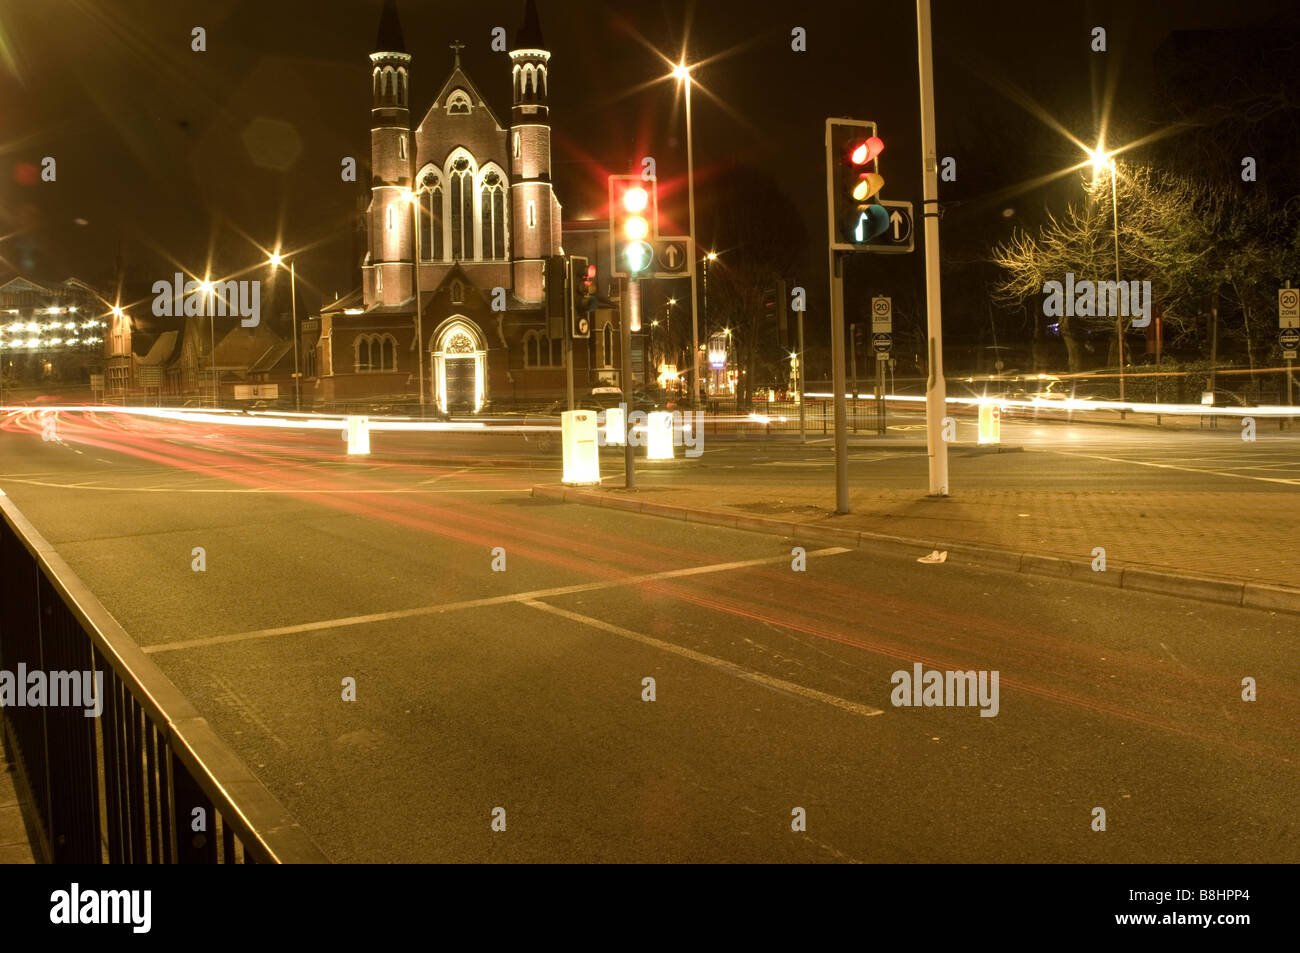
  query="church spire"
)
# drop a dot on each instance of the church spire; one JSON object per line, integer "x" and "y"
{"x": 529, "y": 36}
{"x": 390, "y": 38}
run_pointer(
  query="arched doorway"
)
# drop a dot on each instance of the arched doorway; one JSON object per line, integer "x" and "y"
{"x": 459, "y": 366}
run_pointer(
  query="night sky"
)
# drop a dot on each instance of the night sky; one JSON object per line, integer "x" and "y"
{"x": 171, "y": 153}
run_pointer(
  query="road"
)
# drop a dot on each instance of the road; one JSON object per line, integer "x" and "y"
{"x": 523, "y": 689}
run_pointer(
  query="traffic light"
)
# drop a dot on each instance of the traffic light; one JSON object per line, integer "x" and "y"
{"x": 632, "y": 223}
{"x": 853, "y": 170}
{"x": 581, "y": 282}
{"x": 557, "y": 309}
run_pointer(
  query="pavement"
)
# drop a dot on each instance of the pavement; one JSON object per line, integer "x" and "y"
{"x": 15, "y": 848}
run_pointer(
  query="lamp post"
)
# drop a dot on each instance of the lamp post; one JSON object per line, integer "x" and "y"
{"x": 683, "y": 73}
{"x": 276, "y": 260}
{"x": 205, "y": 286}
{"x": 1101, "y": 160}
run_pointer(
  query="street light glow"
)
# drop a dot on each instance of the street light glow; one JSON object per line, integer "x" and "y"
{"x": 681, "y": 71}
{"x": 276, "y": 259}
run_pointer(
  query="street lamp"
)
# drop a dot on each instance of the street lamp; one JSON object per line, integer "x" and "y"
{"x": 205, "y": 287}
{"x": 276, "y": 259}
{"x": 1103, "y": 160}
{"x": 682, "y": 72}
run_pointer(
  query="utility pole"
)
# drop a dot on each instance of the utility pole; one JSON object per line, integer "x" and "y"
{"x": 625, "y": 339}
{"x": 803, "y": 434}
{"x": 935, "y": 390}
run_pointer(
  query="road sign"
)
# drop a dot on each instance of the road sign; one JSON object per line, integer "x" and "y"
{"x": 584, "y": 328}
{"x": 672, "y": 258}
{"x": 1289, "y": 341}
{"x": 882, "y": 343}
{"x": 897, "y": 239}
{"x": 1288, "y": 308}
{"x": 882, "y": 315}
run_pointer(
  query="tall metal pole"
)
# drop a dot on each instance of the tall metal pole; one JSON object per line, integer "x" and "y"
{"x": 293, "y": 309}
{"x": 695, "y": 300}
{"x": 1119, "y": 321}
{"x": 935, "y": 390}
{"x": 625, "y": 339}
{"x": 838, "y": 383}
{"x": 419, "y": 311}
{"x": 803, "y": 435}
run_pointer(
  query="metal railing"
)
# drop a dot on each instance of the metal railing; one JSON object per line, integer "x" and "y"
{"x": 148, "y": 781}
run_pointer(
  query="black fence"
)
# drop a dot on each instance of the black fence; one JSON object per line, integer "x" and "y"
{"x": 147, "y": 781}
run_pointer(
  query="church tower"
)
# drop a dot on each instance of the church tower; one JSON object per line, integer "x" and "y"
{"x": 535, "y": 212}
{"x": 388, "y": 265}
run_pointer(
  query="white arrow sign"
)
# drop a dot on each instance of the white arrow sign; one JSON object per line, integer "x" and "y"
{"x": 897, "y": 221}
{"x": 857, "y": 232}
{"x": 670, "y": 256}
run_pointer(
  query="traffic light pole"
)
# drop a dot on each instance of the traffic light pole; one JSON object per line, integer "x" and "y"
{"x": 838, "y": 385}
{"x": 936, "y": 406}
{"x": 568, "y": 364}
{"x": 803, "y": 400}
{"x": 625, "y": 341}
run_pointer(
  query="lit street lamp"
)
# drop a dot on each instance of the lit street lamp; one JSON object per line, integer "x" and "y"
{"x": 293, "y": 320}
{"x": 1102, "y": 160}
{"x": 682, "y": 72}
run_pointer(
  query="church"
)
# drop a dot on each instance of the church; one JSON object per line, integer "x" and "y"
{"x": 461, "y": 217}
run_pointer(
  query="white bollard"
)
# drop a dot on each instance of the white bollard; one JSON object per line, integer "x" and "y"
{"x": 659, "y": 436}
{"x": 581, "y": 455}
{"x": 990, "y": 422}
{"x": 358, "y": 436}
{"x": 615, "y": 427}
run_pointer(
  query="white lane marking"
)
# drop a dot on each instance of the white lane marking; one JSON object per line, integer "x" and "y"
{"x": 1170, "y": 466}
{"x": 260, "y": 489}
{"x": 731, "y": 668}
{"x": 475, "y": 603}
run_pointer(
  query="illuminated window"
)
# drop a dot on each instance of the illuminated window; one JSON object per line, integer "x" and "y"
{"x": 532, "y": 214}
{"x": 431, "y": 248}
{"x": 379, "y": 281}
{"x": 518, "y": 146}
{"x": 458, "y": 103}
{"x": 492, "y": 215}
{"x": 401, "y": 146}
{"x": 389, "y": 210}
{"x": 462, "y": 210}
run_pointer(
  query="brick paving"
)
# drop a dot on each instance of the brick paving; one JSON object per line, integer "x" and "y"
{"x": 1243, "y": 537}
{"x": 14, "y": 846}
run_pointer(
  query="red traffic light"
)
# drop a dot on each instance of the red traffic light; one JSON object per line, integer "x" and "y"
{"x": 866, "y": 150}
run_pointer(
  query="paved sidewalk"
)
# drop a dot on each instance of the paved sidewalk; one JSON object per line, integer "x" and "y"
{"x": 1242, "y": 539}
{"x": 14, "y": 846}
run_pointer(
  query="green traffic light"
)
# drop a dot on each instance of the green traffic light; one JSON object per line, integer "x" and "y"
{"x": 638, "y": 256}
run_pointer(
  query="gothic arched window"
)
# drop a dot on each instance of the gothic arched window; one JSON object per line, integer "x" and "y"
{"x": 431, "y": 218}
{"x": 493, "y": 216}
{"x": 462, "y": 210}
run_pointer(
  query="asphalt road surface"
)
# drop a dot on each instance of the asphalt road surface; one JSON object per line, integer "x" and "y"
{"x": 525, "y": 689}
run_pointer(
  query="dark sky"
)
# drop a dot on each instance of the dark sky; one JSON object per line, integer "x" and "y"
{"x": 170, "y": 152}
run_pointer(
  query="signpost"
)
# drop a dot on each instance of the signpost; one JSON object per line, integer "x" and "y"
{"x": 1288, "y": 320}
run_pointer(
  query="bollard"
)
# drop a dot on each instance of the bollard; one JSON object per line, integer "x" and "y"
{"x": 659, "y": 436}
{"x": 358, "y": 434}
{"x": 615, "y": 427}
{"x": 990, "y": 423}
{"x": 581, "y": 455}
